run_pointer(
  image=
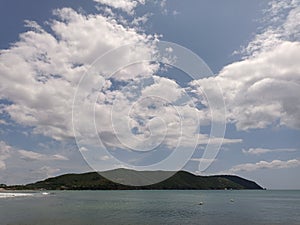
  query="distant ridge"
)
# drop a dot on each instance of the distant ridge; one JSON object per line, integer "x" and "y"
{"x": 181, "y": 180}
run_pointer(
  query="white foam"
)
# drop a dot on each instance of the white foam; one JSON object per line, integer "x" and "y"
{"x": 13, "y": 195}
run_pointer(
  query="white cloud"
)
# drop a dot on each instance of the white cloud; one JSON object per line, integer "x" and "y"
{"x": 3, "y": 122}
{"x": 8, "y": 152}
{"x": 106, "y": 157}
{"x": 5, "y": 153}
{"x": 175, "y": 13}
{"x": 40, "y": 73}
{"x": 2, "y": 165}
{"x": 259, "y": 151}
{"x": 125, "y": 5}
{"x": 29, "y": 155}
{"x": 264, "y": 88}
{"x": 275, "y": 164}
{"x": 47, "y": 171}
{"x": 165, "y": 88}
{"x": 282, "y": 19}
{"x": 203, "y": 160}
{"x": 145, "y": 116}
{"x": 19, "y": 166}
{"x": 163, "y": 3}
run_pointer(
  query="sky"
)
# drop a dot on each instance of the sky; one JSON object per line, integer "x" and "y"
{"x": 211, "y": 87}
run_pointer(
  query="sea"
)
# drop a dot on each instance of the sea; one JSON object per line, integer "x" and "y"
{"x": 152, "y": 207}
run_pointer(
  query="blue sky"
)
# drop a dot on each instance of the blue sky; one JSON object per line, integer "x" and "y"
{"x": 251, "y": 48}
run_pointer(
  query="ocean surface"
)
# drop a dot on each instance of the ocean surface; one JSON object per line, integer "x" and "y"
{"x": 150, "y": 207}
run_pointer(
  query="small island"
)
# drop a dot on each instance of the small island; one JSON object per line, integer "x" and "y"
{"x": 181, "y": 180}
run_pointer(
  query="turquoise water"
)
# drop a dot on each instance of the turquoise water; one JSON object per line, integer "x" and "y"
{"x": 152, "y": 207}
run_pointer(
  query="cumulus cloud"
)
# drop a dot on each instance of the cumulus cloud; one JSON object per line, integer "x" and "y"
{"x": 125, "y": 5}
{"x": 131, "y": 107}
{"x": 275, "y": 164}
{"x": 40, "y": 73}
{"x": 264, "y": 88}
{"x": 259, "y": 151}
{"x": 152, "y": 112}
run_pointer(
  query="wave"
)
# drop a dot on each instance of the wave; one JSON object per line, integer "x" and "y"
{"x": 14, "y": 195}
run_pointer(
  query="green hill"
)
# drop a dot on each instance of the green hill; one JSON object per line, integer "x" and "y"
{"x": 180, "y": 180}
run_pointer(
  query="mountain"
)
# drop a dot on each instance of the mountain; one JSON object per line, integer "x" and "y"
{"x": 180, "y": 180}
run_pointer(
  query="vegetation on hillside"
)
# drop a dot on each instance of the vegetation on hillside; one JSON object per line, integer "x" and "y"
{"x": 180, "y": 180}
